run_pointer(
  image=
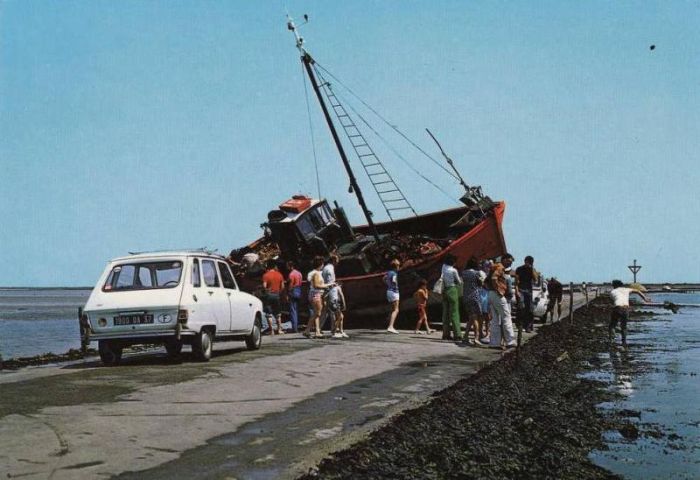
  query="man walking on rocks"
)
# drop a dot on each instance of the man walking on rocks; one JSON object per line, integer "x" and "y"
{"x": 555, "y": 291}
{"x": 620, "y": 296}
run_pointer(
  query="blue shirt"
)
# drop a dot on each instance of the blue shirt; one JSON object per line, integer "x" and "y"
{"x": 391, "y": 280}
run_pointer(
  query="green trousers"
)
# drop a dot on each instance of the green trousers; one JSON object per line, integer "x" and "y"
{"x": 450, "y": 312}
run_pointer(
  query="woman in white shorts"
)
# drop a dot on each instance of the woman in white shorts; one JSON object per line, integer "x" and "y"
{"x": 391, "y": 279}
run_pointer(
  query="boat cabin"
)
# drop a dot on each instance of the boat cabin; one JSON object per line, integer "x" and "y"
{"x": 304, "y": 226}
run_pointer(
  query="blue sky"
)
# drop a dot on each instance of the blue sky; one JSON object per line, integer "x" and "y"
{"x": 138, "y": 125}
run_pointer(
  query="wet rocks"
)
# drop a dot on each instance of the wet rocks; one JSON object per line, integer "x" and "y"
{"x": 525, "y": 417}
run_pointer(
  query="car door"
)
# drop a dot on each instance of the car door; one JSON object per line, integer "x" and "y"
{"x": 241, "y": 304}
{"x": 229, "y": 286}
{"x": 217, "y": 299}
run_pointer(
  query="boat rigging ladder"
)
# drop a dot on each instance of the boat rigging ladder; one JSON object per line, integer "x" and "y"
{"x": 392, "y": 198}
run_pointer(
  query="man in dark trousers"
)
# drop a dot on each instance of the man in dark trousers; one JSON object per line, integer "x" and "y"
{"x": 525, "y": 278}
{"x": 555, "y": 291}
{"x": 273, "y": 283}
{"x": 620, "y": 296}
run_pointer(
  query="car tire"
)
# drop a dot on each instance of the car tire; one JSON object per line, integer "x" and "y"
{"x": 110, "y": 353}
{"x": 254, "y": 340}
{"x": 173, "y": 346}
{"x": 202, "y": 345}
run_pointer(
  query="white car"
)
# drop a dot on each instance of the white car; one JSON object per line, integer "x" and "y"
{"x": 540, "y": 298}
{"x": 171, "y": 298}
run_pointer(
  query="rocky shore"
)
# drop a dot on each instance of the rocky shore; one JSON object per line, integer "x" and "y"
{"x": 529, "y": 415}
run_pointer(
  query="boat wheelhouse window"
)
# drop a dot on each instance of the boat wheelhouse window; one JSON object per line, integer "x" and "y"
{"x": 314, "y": 220}
{"x": 325, "y": 213}
{"x": 196, "y": 279}
{"x": 209, "y": 273}
{"x": 306, "y": 227}
{"x": 143, "y": 276}
{"x": 226, "y": 277}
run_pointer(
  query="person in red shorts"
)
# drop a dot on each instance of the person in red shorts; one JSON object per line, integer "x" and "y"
{"x": 421, "y": 297}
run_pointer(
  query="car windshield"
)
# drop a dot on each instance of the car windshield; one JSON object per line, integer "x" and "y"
{"x": 143, "y": 276}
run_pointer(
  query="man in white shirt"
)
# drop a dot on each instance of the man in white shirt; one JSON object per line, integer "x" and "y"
{"x": 621, "y": 303}
{"x": 334, "y": 302}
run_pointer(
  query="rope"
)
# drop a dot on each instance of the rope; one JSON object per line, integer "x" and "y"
{"x": 393, "y": 127}
{"x": 397, "y": 153}
{"x": 311, "y": 129}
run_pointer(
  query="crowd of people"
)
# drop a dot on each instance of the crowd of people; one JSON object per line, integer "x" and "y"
{"x": 485, "y": 293}
{"x": 325, "y": 298}
{"x": 490, "y": 296}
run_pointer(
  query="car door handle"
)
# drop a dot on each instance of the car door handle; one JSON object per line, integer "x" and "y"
{"x": 228, "y": 293}
{"x": 210, "y": 292}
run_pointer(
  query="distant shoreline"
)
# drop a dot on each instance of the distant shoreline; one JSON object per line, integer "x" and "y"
{"x": 651, "y": 285}
{"x": 46, "y": 288}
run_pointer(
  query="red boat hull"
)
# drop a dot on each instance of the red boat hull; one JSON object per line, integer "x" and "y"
{"x": 485, "y": 240}
{"x": 366, "y": 294}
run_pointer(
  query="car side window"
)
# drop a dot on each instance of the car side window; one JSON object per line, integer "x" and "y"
{"x": 196, "y": 279}
{"x": 126, "y": 275}
{"x": 226, "y": 277}
{"x": 209, "y": 273}
{"x": 145, "y": 277}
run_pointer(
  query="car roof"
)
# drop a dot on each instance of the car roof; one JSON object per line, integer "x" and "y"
{"x": 169, "y": 254}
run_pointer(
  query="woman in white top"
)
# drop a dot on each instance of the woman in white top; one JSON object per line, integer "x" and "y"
{"x": 316, "y": 287}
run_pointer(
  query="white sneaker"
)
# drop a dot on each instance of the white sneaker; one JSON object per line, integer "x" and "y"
{"x": 344, "y": 335}
{"x": 392, "y": 330}
{"x": 337, "y": 335}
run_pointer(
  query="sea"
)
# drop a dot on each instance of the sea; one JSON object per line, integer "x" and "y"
{"x": 39, "y": 320}
{"x": 657, "y": 375}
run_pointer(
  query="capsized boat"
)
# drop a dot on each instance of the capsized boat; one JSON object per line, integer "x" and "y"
{"x": 303, "y": 227}
{"x": 420, "y": 243}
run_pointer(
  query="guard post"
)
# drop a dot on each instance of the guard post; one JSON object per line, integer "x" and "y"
{"x": 83, "y": 331}
{"x": 571, "y": 302}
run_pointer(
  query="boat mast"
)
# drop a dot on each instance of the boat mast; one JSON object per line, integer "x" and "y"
{"x": 308, "y": 61}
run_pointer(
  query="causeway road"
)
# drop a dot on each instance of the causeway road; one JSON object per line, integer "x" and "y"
{"x": 271, "y": 413}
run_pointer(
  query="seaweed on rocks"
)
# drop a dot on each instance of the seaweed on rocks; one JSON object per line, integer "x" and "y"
{"x": 45, "y": 358}
{"x": 70, "y": 355}
{"x": 530, "y": 416}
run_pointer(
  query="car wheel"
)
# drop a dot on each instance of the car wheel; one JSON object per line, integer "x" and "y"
{"x": 202, "y": 345}
{"x": 254, "y": 340}
{"x": 110, "y": 353}
{"x": 173, "y": 346}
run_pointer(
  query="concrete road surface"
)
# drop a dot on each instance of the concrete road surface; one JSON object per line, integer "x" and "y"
{"x": 272, "y": 413}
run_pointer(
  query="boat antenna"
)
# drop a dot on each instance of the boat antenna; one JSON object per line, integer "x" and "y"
{"x": 308, "y": 61}
{"x": 473, "y": 195}
{"x": 449, "y": 160}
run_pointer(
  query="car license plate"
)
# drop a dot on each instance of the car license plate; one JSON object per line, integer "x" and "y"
{"x": 133, "y": 319}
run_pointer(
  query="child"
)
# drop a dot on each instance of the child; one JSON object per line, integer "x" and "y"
{"x": 421, "y": 297}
